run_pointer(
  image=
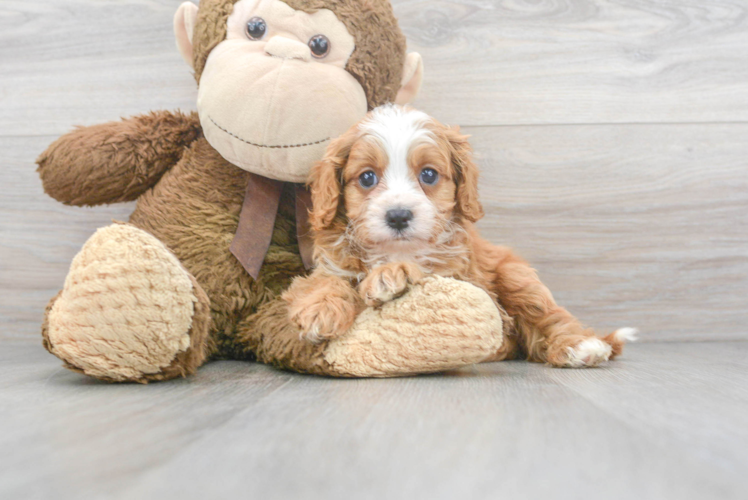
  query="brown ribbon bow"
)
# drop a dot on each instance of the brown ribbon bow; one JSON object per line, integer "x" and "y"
{"x": 257, "y": 220}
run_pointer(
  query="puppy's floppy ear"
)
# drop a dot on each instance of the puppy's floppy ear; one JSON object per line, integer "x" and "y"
{"x": 468, "y": 202}
{"x": 326, "y": 180}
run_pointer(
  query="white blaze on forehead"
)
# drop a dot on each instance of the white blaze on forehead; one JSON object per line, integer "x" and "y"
{"x": 397, "y": 130}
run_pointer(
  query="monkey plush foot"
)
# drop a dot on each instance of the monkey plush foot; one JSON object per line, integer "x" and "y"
{"x": 128, "y": 311}
{"x": 440, "y": 324}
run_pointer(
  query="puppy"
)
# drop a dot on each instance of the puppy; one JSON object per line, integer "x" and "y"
{"x": 395, "y": 199}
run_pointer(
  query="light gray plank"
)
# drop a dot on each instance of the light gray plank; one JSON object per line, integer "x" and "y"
{"x": 666, "y": 421}
{"x": 557, "y": 61}
{"x": 693, "y": 394}
{"x": 38, "y": 237}
{"x": 581, "y": 61}
{"x": 81, "y": 62}
{"x": 73, "y": 437}
{"x": 628, "y": 225}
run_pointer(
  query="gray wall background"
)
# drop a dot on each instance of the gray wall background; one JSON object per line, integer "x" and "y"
{"x": 612, "y": 136}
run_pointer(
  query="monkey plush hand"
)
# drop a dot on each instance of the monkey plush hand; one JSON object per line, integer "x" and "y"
{"x": 219, "y": 230}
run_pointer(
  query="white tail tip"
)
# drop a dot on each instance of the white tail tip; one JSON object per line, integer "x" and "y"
{"x": 627, "y": 334}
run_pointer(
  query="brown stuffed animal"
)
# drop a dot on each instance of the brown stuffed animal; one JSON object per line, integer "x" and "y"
{"x": 219, "y": 230}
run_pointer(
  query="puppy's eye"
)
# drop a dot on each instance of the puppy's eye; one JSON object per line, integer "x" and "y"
{"x": 429, "y": 176}
{"x": 256, "y": 28}
{"x": 368, "y": 179}
{"x": 320, "y": 46}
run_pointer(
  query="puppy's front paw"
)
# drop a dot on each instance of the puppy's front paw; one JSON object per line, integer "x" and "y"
{"x": 324, "y": 320}
{"x": 388, "y": 282}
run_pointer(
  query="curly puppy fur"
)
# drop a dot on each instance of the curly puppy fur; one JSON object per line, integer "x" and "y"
{"x": 400, "y": 161}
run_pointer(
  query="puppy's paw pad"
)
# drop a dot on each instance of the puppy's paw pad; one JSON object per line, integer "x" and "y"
{"x": 588, "y": 353}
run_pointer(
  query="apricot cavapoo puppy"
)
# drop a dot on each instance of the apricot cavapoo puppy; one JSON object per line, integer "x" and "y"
{"x": 395, "y": 199}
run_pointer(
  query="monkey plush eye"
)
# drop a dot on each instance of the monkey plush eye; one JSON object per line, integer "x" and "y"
{"x": 256, "y": 28}
{"x": 320, "y": 46}
{"x": 429, "y": 176}
{"x": 368, "y": 179}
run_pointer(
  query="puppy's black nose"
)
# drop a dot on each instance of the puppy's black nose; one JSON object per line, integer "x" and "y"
{"x": 398, "y": 218}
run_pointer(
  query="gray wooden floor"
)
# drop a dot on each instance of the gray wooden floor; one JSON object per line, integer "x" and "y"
{"x": 667, "y": 421}
{"x": 612, "y": 140}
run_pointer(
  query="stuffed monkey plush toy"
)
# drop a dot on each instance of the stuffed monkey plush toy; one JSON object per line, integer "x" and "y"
{"x": 219, "y": 230}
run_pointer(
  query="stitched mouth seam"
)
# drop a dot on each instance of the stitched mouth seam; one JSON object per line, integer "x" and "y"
{"x": 284, "y": 146}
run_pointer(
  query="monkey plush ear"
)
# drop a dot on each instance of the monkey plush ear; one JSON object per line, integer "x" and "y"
{"x": 412, "y": 78}
{"x": 184, "y": 27}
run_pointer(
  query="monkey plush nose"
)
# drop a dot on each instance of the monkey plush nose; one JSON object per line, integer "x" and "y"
{"x": 285, "y": 48}
{"x": 398, "y": 218}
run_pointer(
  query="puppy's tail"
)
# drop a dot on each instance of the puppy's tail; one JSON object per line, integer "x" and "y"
{"x": 618, "y": 339}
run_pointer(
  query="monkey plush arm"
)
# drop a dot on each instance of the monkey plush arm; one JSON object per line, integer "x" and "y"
{"x": 116, "y": 161}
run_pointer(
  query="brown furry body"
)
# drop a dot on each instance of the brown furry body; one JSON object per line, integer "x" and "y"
{"x": 189, "y": 198}
{"x": 204, "y": 193}
{"x": 192, "y": 206}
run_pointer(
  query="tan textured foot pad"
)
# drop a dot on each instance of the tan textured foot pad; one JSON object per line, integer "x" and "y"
{"x": 126, "y": 308}
{"x": 440, "y": 325}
